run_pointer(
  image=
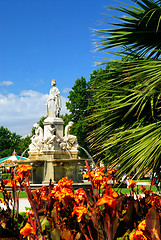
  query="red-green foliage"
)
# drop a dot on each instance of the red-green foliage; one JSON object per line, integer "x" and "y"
{"x": 60, "y": 212}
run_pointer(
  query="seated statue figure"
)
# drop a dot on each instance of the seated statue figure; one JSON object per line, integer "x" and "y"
{"x": 71, "y": 140}
{"x": 37, "y": 139}
{"x": 50, "y": 135}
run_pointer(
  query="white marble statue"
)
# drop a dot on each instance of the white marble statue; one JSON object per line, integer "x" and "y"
{"x": 71, "y": 140}
{"x": 50, "y": 134}
{"x": 37, "y": 139}
{"x": 53, "y": 104}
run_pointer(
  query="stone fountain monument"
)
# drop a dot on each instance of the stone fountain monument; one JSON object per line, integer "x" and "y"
{"x": 53, "y": 152}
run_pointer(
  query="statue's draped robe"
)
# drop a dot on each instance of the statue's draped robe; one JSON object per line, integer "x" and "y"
{"x": 53, "y": 103}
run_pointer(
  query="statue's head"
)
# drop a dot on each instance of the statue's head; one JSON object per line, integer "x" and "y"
{"x": 36, "y": 125}
{"x": 53, "y": 82}
{"x": 71, "y": 124}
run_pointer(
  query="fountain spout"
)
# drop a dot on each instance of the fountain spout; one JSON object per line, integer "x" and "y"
{"x": 24, "y": 152}
{"x": 93, "y": 162}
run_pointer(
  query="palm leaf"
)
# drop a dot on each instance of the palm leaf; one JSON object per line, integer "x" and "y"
{"x": 139, "y": 31}
{"x": 123, "y": 118}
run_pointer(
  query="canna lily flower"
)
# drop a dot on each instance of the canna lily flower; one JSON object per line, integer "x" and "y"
{"x": 100, "y": 180}
{"x": 112, "y": 192}
{"x": 5, "y": 181}
{"x": 111, "y": 172}
{"x": 85, "y": 176}
{"x": 100, "y": 171}
{"x": 97, "y": 179}
{"x": 64, "y": 182}
{"x": 27, "y": 230}
{"x": 142, "y": 226}
{"x": 132, "y": 183}
{"x": 11, "y": 182}
{"x": 23, "y": 171}
{"x": 80, "y": 212}
{"x": 110, "y": 201}
{"x": 142, "y": 188}
{"x": 154, "y": 200}
{"x": 104, "y": 182}
{"x": 30, "y": 212}
{"x": 80, "y": 196}
{"x": 137, "y": 235}
{"x": 1, "y": 200}
{"x": 64, "y": 194}
{"x": 43, "y": 196}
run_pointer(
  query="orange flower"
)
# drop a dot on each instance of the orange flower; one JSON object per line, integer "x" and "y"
{"x": 64, "y": 182}
{"x": 142, "y": 188}
{"x": 92, "y": 174}
{"x": 111, "y": 192}
{"x": 52, "y": 194}
{"x": 142, "y": 225}
{"x": 137, "y": 235}
{"x": 154, "y": 200}
{"x": 27, "y": 230}
{"x": 23, "y": 171}
{"x": 30, "y": 212}
{"x": 132, "y": 183}
{"x": 80, "y": 212}
{"x": 148, "y": 192}
{"x": 10, "y": 182}
{"x": 65, "y": 193}
{"x": 100, "y": 171}
{"x": 97, "y": 179}
{"x": 4, "y": 181}
{"x": 104, "y": 182}
{"x": 54, "y": 191}
{"x": 111, "y": 171}
{"x": 110, "y": 201}
{"x": 1, "y": 200}
{"x": 18, "y": 178}
{"x": 80, "y": 196}
{"x": 85, "y": 176}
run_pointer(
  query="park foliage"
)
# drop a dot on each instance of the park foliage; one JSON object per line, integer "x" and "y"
{"x": 60, "y": 212}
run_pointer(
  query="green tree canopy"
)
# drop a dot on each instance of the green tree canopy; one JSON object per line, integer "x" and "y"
{"x": 78, "y": 107}
{"x": 8, "y": 142}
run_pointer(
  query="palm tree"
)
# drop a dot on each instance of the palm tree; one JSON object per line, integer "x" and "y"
{"x": 129, "y": 132}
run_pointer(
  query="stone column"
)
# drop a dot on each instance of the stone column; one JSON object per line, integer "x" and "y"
{"x": 49, "y": 171}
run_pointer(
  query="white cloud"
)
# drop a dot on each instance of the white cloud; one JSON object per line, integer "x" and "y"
{"x": 6, "y": 83}
{"x": 19, "y": 112}
{"x": 65, "y": 90}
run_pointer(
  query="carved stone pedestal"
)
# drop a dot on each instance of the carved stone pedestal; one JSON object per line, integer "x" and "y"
{"x": 55, "y": 164}
{"x": 57, "y": 122}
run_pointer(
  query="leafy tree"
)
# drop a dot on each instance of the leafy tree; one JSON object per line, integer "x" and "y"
{"x": 78, "y": 99}
{"x": 66, "y": 118}
{"x": 11, "y": 141}
{"x": 128, "y": 122}
{"x": 8, "y": 142}
{"x": 78, "y": 106}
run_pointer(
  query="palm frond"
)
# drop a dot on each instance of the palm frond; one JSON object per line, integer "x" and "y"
{"x": 139, "y": 31}
{"x": 128, "y": 115}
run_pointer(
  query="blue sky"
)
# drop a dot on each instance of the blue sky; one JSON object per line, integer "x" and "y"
{"x": 42, "y": 40}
